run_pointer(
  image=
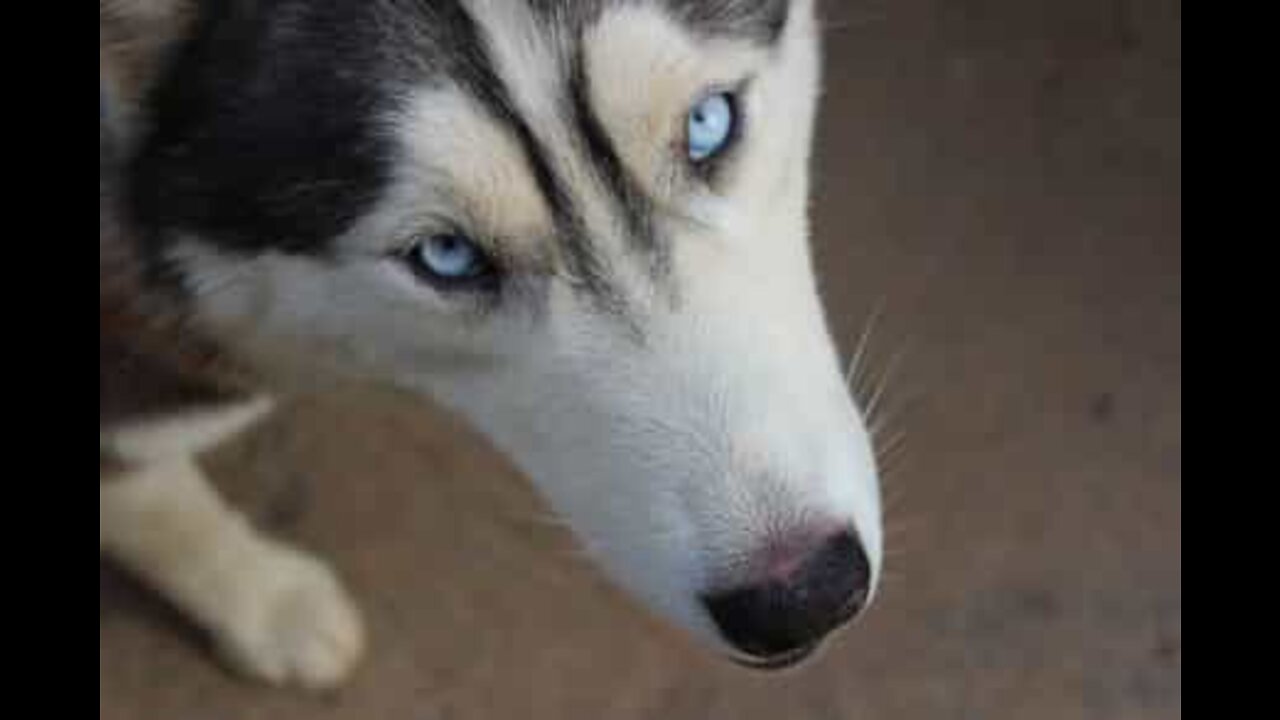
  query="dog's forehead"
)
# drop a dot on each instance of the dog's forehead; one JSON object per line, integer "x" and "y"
{"x": 554, "y": 109}
{"x": 583, "y": 95}
{"x": 271, "y": 131}
{"x": 756, "y": 20}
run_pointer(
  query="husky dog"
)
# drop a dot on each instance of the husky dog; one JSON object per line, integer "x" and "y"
{"x": 580, "y": 224}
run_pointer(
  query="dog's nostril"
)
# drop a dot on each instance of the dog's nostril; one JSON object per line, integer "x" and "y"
{"x": 779, "y": 615}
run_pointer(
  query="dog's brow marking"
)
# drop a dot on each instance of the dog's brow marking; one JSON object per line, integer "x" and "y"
{"x": 760, "y": 21}
{"x": 483, "y": 82}
{"x": 573, "y": 236}
{"x": 629, "y": 198}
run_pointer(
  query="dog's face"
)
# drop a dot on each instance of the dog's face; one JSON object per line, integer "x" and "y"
{"x": 580, "y": 224}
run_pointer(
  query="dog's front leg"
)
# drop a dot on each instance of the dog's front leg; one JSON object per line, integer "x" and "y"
{"x": 275, "y": 612}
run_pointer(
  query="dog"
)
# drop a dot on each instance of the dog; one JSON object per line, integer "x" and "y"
{"x": 581, "y": 225}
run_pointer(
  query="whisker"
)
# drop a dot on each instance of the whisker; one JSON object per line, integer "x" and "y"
{"x": 854, "y": 374}
{"x": 890, "y": 445}
{"x": 890, "y": 367}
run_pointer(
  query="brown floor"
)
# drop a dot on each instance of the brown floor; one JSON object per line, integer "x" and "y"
{"x": 1006, "y": 178}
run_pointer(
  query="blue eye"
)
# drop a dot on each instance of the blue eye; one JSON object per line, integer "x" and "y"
{"x": 449, "y": 260}
{"x": 710, "y": 126}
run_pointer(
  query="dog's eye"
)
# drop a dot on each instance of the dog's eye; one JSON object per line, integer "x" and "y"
{"x": 710, "y": 126}
{"x": 450, "y": 261}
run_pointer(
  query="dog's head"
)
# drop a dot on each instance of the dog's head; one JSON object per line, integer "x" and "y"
{"x": 583, "y": 226}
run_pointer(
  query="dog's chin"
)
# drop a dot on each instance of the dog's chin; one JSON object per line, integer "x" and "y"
{"x": 780, "y": 661}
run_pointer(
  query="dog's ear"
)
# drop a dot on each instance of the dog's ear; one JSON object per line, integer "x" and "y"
{"x": 135, "y": 40}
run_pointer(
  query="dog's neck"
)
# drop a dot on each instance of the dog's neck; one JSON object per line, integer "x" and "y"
{"x": 152, "y": 359}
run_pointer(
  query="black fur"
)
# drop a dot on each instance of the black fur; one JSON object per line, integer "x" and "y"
{"x": 263, "y": 131}
{"x": 266, "y": 132}
{"x": 630, "y": 200}
{"x": 761, "y": 21}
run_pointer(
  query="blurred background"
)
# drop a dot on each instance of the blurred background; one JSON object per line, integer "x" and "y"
{"x": 1002, "y": 180}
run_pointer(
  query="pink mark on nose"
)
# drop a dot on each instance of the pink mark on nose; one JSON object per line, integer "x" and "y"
{"x": 786, "y": 553}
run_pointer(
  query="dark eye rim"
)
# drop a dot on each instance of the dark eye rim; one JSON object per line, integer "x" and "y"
{"x": 486, "y": 279}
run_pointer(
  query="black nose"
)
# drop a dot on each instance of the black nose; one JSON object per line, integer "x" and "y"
{"x": 778, "y": 620}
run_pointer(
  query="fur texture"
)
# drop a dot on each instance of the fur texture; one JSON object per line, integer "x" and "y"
{"x": 651, "y": 348}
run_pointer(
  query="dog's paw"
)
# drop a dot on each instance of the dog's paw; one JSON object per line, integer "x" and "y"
{"x": 292, "y": 623}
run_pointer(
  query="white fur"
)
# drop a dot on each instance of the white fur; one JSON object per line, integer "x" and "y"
{"x": 275, "y": 612}
{"x": 676, "y": 454}
{"x": 185, "y": 434}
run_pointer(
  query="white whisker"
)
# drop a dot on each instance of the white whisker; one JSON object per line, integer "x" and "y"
{"x": 852, "y": 372}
